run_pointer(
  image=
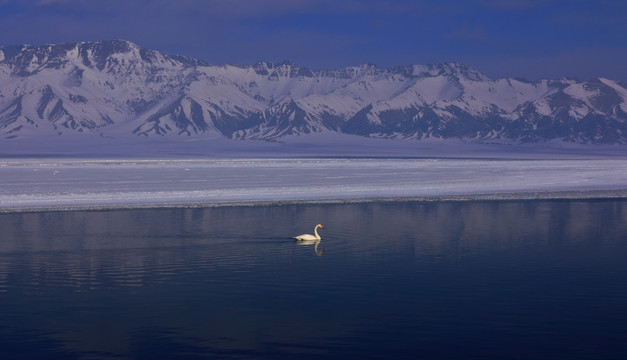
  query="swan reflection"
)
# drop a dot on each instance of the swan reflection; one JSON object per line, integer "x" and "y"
{"x": 316, "y": 242}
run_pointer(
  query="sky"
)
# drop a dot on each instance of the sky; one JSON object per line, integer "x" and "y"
{"x": 528, "y": 39}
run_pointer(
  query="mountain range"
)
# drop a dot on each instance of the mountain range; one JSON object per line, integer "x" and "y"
{"x": 114, "y": 88}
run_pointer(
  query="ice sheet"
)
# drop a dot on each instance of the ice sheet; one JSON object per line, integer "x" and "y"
{"x": 27, "y": 185}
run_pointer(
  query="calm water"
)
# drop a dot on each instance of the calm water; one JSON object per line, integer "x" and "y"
{"x": 452, "y": 280}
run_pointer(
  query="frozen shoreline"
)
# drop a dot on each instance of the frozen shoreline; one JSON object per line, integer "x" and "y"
{"x": 75, "y": 184}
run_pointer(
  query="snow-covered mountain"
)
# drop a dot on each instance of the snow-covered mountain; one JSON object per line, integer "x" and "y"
{"x": 110, "y": 88}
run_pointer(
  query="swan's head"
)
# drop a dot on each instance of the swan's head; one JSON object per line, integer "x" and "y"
{"x": 320, "y": 226}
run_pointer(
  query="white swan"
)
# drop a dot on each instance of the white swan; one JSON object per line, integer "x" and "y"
{"x": 309, "y": 237}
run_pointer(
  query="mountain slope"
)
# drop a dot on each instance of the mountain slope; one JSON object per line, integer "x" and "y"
{"x": 114, "y": 88}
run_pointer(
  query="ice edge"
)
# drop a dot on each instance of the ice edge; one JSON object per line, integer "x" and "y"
{"x": 506, "y": 196}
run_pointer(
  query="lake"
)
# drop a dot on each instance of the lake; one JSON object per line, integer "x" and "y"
{"x": 420, "y": 280}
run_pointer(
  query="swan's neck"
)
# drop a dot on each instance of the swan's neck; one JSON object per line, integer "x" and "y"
{"x": 316, "y": 232}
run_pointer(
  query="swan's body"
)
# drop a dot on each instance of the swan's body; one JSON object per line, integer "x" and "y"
{"x": 309, "y": 237}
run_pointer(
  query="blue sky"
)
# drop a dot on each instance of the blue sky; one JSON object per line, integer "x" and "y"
{"x": 516, "y": 38}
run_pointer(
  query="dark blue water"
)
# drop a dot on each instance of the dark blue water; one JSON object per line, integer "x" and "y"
{"x": 450, "y": 280}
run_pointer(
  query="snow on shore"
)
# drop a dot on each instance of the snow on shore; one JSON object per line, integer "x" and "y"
{"x": 65, "y": 184}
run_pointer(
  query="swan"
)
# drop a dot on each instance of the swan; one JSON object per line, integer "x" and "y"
{"x": 309, "y": 237}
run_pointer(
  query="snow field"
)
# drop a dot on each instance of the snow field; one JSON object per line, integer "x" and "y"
{"x": 27, "y": 185}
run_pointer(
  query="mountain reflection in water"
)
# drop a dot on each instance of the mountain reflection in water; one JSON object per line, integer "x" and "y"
{"x": 445, "y": 280}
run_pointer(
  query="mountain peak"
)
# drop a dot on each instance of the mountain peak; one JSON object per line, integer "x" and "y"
{"x": 457, "y": 69}
{"x": 28, "y": 59}
{"x": 282, "y": 70}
